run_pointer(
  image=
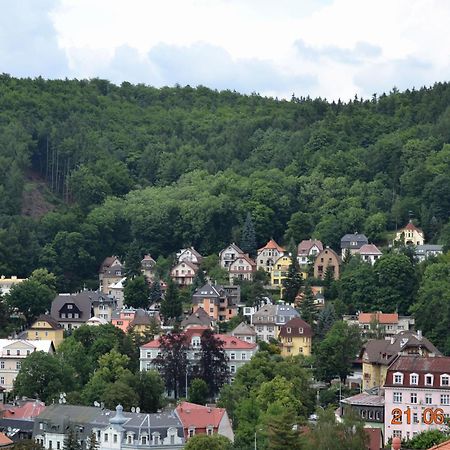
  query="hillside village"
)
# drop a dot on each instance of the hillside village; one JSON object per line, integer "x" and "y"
{"x": 194, "y": 337}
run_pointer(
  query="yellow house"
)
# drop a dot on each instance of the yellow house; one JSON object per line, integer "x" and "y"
{"x": 280, "y": 272}
{"x": 410, "y": 235}
{"x": 45, "y": 328}
{"x": 296, "y": 338}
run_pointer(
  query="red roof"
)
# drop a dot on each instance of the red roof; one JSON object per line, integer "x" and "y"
{"x": 443, "y": 446}
{"x": 380, "y": 317}
{"x": 294, "y": 326}
{"x": 5, "y": 440}
{"x": 28, "y": 410}
{"x": 305, "y": 246}
{"x": 369, "y": 249}
{"x": 412, "y": 227}
{"x": 272, "y": 245}
{"x": 198, "y": 416}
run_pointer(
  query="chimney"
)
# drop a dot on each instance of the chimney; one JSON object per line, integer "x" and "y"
{"x": 419, "y": 335}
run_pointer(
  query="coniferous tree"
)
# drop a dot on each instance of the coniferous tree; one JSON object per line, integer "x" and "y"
{"x": 155, "y": 294}
{"x": 171, "y": 305}
{"x": 133, "y": 261}
{"x": 325, "y": 321}
{"x": 71, "y": 441}
{"x": 308, "y": 309}
{"x": 93, "y": 443}
{"x": 136, "y": 292}
{"x": 292, "y": 284}
{"x": 248, "y": 237}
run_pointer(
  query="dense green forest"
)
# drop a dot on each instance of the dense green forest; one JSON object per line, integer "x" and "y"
{"x": 87, "y": 167}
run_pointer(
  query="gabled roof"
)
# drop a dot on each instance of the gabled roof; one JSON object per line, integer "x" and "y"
{"x": 46, "y": 318}
{"x": 190, "y": 249}
{"x": 208, "y": 290}
{"x": 234, "y": 343}
{"x": 198, "y": 416}
{"x": 82, "y": 300}
{"x": 141, "y": 317}
{"x": 43, "y": 345}
{"x": 199, "y": 317}
{"x": 244, "y": 257}
{"x": 293, "y": 327}
{"x": 190, "y": 264}
{"x": 411, "y": 227}
{"x": 5, "y": 440}
{"x": 306, "y": 245}
{"x": 107, "y": 262}
{"x": 148, "y": 258}
{"x": 357, "y": 237}
{"x": 243, "y": 329}
{"x": 381, "y": 318}
{"x": 235, "y": 248}
{"x": 369, "y": 249}
{"x": 442, "y": 446}
{"x": 271, "y": 244}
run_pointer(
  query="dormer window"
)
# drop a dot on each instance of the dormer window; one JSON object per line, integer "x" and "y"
{"x": 69, "y": 306}
{"x": 429, "y": 378}
{"x": 288, "y": 330}
{"x": 398, "y": 378}
{"x": 445, "y": 380}
{"x": 414, "y": 379}
{"x": 300, "y": 330}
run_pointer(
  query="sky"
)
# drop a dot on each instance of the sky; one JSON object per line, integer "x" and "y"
{"x": 321, "y": 48}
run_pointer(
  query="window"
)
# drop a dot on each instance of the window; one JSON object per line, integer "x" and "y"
{"x": 144, "y": 440}
{"x": 397, "y": 397}
{"x": 243, "y": 356}
{"x": 18, "y": 365}
{"x": 445, "y": 399}
{"x": 415, "y": 418}
{"x": 300, "y": 330}
{"x": 2, "y": 364}
{"x": 398, "y": 378}
{"x": 428, "y": 399}
{"x": 397, "y": 433}
{"x": 115, "y": 438}
{"x": 445, "y": 380}
{"x": 58, "y": 445}
{"x": 129, "y": 439}
{"x": 69, "y": 306}
{"x": 2, "y": 380}
{"x": 8, "y": 352}
{"x": 233, "y": 369}
{"x": 288, "y": 329}
{"x": 209, "y": 431}
{"x": 232, "y": 356}
{"x": 149, "y": 354}
{"x": 429, "y": 380}
{"x": 106, "y": 437}
{"x": 191, "y": 432}
{"x": 50, "y": 444}
{"x": 413, "y": 397}
{"x": 414, "y": 379}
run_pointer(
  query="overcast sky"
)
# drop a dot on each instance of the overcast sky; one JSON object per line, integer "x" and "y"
{"x": 328, "y": 48}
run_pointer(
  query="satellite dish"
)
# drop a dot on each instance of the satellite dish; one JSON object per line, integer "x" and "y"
{"x": 133, "y": 409}
{"x": 96, "y": 404}
{"x": 138, "y": 410}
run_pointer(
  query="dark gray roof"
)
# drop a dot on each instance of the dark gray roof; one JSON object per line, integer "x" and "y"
{"x": 428, "y": 248}
{"x": 208, "y": 291}
{"x": 83, "y": 301}
{"x": 355, "y": 240}
{"x": 141, "y": 317}
{"x": 59, "y": 417}
{"x": 199, "y": 317}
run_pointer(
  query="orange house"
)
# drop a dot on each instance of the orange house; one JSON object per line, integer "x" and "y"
{"x": 215, "y": 301}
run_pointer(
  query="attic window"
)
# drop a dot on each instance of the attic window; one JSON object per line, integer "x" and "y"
{"x": 429, "y": 379}
{"x": 300, "y": 330}
{"x": 398, "y": 378}
{"x": 288, "y": 330}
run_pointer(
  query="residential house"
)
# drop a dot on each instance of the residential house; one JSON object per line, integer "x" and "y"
{"x": 229, "y": 254}
{"x": 307, "y": 251}
{"x": 385, "y": 324}
{"x": 280, "y": 271}
{"x": 183, "y": 273}
{"x": 142, "y": 321}
{"x": 114, "y": 431}
{"x": 296, "y": 338}
{"x": 215, "y": 300}
{"x": 110, "y": 275}
{"x": 351, "y": 243}
{"x": 198, "y": 419}
{"x": 268, "y": 254}
{"x": 116, "y": 291}
{"x": 12, "y": 354}
{"x": 190, "y": 255}
{"x": 122, "y": 318}
{"x": 378, "y": 354}
{"x": 148, "y": 267}
{"x": 104, "y": 305}
{"x": 417, "y": 395}
{"x": 410, "y": 235}
{"x": 245, "y": 332}
{"x": 369, "y": 253}
{"x": 45, "y": 327}
{"x": 73, "y": 310}
{"x": 199, "y": 318}
{"x": 327, "y": 259}
{"x": 423, "y": 252}
{"x": 238, "y": 352}
{"x": 95, "y": 321}
{"x": 242, "y": 268}
{"x": 269, "y": 319}
{"x": 7, "y": 283}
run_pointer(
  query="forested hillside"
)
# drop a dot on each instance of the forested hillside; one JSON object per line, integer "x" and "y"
{"x": 179, "y": 166}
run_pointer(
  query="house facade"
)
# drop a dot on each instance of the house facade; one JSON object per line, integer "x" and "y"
{"x": 307, "y": 251}
{"x": 216, "y": 301}
{"x": 423, "y": 252}
{"x": 327, "y": 259}
{"x": 296, "y": 338}
{"x": 369, "y": 253}
{"x": 148, "y": 267}
{"x": 269, "y": 319}
{"x": 12, "y": 354}
{"x": 242, "y": 268}
{"x": 190, "y": 255}
{"x": 280, "y": 271}
{"x": 385, "y": 324}
{"x": 238, "y": 352}
{"x": 114, "y": 431}
{"x": 111, "y": 270}
{"x": 268, "y": 254}
{"x": 7, "y": 283}
{"x": 183, "y": 273}
{"x": 245, "y": 332}
{"x": 410, "y": 235}
{"x": 229, "y": 254}
{"x": 417, "y": 395}
{"x": 45, "y": 328}
{"x": 378, "y": 354}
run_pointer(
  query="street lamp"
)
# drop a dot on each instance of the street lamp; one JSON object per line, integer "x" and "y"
{"x": 256, "y": 431}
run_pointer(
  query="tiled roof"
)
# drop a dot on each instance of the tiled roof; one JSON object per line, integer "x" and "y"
{"x": 410, "y": 226}
{"x": 190, "y": 264}
{"x": 442, "y": 446}
{"x": 198, "y": 416}
{"x": 235, "y": 247}
{"x": 141, "y": 317}
{"x": 199, "y": 317}
{"x": 381, "y": 318}
{"x": 295, "y": 325}
{"x": 421, "y": 364}
{"x": 5, "y": 440}
{"x": 47, "y": 318}
{"x": 234, "y": 343}
{"x": 305, "y": 246}
{"x": 243, "y": 329}
{"x": 28, "y": 410}
{"x": 369, "y": 249}
{"x": 272, "y": 245}
{"x": 365, "y": 399}
{"x": 354, "y": 237}
{"x": 208, "y": 290}
{"x": 236, "y": 262}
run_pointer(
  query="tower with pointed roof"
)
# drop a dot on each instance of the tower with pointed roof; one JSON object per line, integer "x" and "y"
{"x": 268, "y": 255}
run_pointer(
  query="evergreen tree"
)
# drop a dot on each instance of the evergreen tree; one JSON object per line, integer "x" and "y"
{"x": 171, "y": 305}
{"x": 248, "y": 237}
{"x": 292, "y": 284}
{"x": 133, "y": 261}
{"x": 329, "y": 284}
{"x": 308, "y": 309}
{"x": 198, "y": 391}
{"x": 155, "y": 293}
{"x": 325, "y": 321}
{"x": 93, "y": 443}
{"x": 71, "y": 441}
{"x": 136, "y": 292}
{"x": 199, "y": 280}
